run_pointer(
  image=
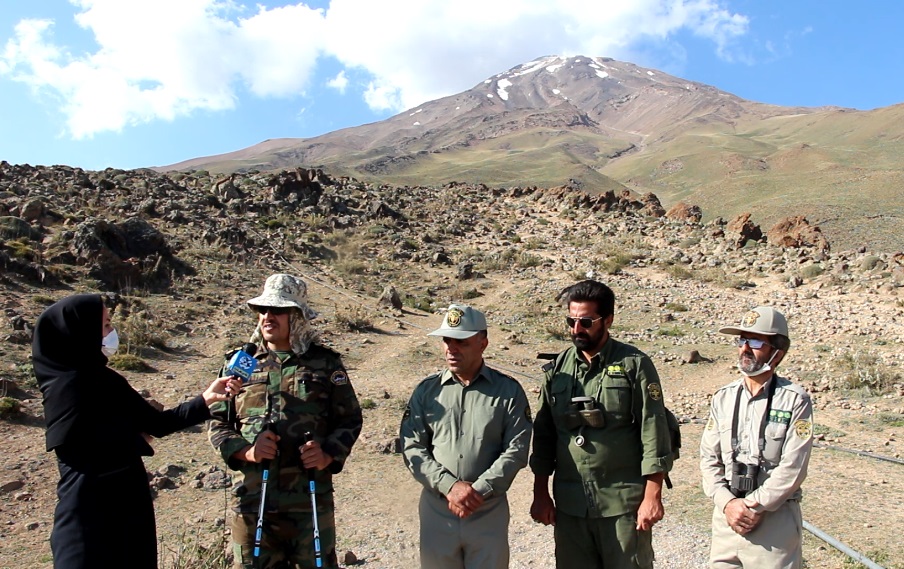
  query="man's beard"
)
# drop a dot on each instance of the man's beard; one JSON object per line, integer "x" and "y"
{"x": 749, "y": 365}
{"x": 585, "y": 341}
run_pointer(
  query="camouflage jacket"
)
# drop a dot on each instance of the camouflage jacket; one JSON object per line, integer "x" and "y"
{"x": 298, "y": 393}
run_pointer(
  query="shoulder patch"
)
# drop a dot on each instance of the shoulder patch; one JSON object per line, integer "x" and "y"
{"x": 339, "y": 378}
{"x": 803, "y": 428}
{"x": 655, "y": 391}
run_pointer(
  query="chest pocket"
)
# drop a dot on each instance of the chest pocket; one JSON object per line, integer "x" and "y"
{"x": 313, "y": 389}
{"x": 617, "y": 397}
{"x": 560, "y": 396}
{"x": 252, "y": 401}
{"x": 775, "y": 440}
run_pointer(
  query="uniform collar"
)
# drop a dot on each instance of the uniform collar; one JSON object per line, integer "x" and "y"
{"x": 449, "y": 377}
{"x": 600, "y": 357}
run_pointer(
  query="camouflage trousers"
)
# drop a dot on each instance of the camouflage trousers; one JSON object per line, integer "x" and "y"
{"x": 287, "y": 540}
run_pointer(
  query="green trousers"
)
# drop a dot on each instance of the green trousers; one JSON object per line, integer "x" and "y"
{"x": 602, "y": 543}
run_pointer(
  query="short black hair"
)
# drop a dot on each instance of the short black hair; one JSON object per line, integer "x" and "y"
{"x": 590, "y": 291}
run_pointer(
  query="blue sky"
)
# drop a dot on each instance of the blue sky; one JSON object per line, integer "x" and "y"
{"x": 136, "y": 83}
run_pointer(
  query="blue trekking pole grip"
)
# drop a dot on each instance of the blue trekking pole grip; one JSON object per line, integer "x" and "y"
{"x": 265, "y": 479}
{"x": 312, "y": 488}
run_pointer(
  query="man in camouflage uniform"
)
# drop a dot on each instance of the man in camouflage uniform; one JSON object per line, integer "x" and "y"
{"x": 465, "y": 436}
{"x": 602, "y": 429}
{"x": 755, "y": 450}
{"x": 298, "y": 387}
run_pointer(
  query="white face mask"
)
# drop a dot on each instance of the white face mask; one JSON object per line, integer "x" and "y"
{"x": 110, "y": 343}
{"x": 762, "y": 369}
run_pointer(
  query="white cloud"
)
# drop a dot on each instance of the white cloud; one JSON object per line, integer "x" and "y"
{"x": 165, "y": 59}
{"x": 339, "y": 82}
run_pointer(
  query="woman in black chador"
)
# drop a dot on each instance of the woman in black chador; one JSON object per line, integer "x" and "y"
{"x": 98, "y": 426}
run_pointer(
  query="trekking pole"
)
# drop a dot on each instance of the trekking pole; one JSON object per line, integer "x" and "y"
{"x": 259, "y": 530}
{"x": 312, "y": 488}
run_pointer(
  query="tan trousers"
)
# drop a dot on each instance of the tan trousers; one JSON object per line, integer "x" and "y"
{"x": 479, "y": 541}
{"x": 774, "y": 544}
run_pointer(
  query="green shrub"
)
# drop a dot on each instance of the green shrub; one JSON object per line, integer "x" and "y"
{"x": 368, "y": 404}
{"x": 186, "y": 551}
{"x": 671, "y": 331}
{"x": 679, "y": 272}
{"x": 525, "y": 260}
{"x": 557, "y": 332}
{"x": 354, "y": 318}
{"x": 22, "y": 249}
{"x": 811, "y": 271}
{"x": 8, "y": 407}
{"x": 615, "y": 263}
{"x": 141, "y": 329}
{"x": 348, "y": 267}
{"x": 864, "y": 370}
{"x": 129, "y": 362}
{"x": 675, "y": 307}
{"x": 422, "y": 303}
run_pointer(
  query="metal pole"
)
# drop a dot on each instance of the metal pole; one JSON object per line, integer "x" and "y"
{"x": 261, "y": 510}
{"x": 312, "y": 488}
{"x": 859, "y": 557}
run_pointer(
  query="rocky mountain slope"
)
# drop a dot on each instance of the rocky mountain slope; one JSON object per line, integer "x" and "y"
{"x": 601, "y": 125}
{"x": 182, "y": 251}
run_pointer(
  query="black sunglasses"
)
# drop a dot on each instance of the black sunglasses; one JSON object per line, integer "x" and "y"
{"x": 274, "y": 310}
{"x": 752, "y": 342}
{"x": 584, "y": 321}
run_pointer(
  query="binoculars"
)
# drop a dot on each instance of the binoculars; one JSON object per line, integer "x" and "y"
{"x": 583, "y": 412}
{"x": 743, "y": 478}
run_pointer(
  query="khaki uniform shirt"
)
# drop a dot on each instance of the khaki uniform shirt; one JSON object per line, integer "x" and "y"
{"x": 789, "y": 439}
{"x": 478, "y": 433}
{"x": 605, "y": 476}
{"x": 303, "y": 393}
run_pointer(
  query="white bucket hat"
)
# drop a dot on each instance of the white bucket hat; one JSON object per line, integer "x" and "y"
{"x": 281, "y": 290}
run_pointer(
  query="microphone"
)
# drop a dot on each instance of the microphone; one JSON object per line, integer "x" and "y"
{"x": 242, "y": 363}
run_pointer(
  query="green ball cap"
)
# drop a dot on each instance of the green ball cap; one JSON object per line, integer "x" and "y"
{"x": 461, "y": 322}
{"x": 761, "y": 320}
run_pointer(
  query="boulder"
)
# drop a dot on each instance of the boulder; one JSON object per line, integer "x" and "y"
{"x": 685, "y": 212}
{"x": 796, "y": 232}
{"x": 740, "y": 230}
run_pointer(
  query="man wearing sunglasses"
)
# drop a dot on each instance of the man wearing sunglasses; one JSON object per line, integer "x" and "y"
{"x": 602, "y": 429}
{"x": 298, "y": 387}
{"x": 754, "y": 452}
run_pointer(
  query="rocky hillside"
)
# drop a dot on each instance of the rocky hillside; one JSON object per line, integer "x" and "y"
{"x": 601, "y": 125}
{"x": 182, "y": 251}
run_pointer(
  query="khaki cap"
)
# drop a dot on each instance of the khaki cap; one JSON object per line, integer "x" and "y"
{"x": 461, "y": 322}
{"x": 281, "y": 290}
{"x": 761, "y": 320}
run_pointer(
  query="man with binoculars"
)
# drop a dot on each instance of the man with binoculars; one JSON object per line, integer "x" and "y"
{"x": 754, "y": 452}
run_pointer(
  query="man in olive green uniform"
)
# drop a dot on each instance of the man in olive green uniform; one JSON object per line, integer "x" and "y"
{"x": 602, "y": 429}
{"x": 298, "y": 387}
{"x": 755, "y": 450}
{"x": 465, "y": 436}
